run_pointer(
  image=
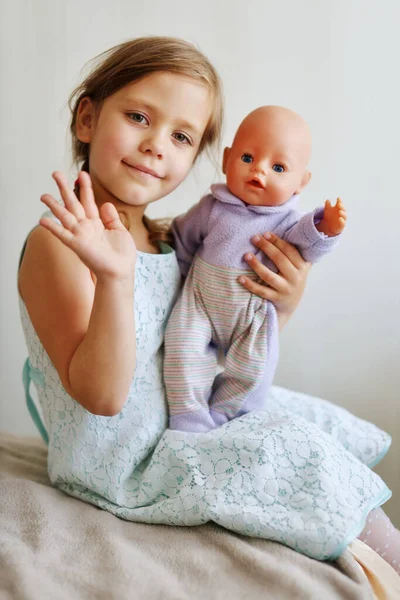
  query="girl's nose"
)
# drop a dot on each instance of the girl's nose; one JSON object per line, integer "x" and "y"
{"x": 152, "y": 144}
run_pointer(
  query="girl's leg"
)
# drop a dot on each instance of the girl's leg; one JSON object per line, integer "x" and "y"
{"x": 363, "y": 439}
{"x": 381, "y": 535}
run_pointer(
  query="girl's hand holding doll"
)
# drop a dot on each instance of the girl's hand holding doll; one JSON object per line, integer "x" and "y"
{"x": 97, "y": 237}
{"x": 285, "y": 288}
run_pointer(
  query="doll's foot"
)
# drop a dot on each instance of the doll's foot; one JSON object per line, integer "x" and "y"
{"x": 219, "y": 418}
{"x": 198, "y": 421}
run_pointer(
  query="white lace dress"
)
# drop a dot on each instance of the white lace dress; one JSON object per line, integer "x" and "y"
{"x": 294, "y": 473}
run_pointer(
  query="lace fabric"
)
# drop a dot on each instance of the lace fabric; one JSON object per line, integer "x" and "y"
{"x": 274, "y": 474}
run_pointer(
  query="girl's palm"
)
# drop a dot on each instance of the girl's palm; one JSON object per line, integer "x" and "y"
{"x": 99, "y": 238}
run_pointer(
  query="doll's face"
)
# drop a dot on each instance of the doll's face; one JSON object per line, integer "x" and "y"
{"x": 267, "y": 162}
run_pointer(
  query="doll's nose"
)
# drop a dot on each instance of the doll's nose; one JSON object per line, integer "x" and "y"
{"x": 259, "y": 169}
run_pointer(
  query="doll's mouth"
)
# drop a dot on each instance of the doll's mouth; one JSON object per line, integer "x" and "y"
{"x": 256, "y": 183}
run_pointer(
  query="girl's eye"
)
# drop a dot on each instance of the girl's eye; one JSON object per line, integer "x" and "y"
{"x": 181, "y": 138}
{"x": 247, "y": 158}
{"x": 138, "y": 118}
{"x": 278, "y": 168}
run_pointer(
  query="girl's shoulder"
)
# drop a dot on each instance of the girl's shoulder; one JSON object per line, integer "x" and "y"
{"x": 44, "y": 260}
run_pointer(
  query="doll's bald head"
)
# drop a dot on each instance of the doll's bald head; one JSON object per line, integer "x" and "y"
{"x": 267, "y": 163}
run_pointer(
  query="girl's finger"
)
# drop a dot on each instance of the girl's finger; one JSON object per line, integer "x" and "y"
{"x": 268, "y": 293}
{"x": 269, "y": 277}
{"x": 70, "y": 200}
{"x": 86, "y": 195}
{"x": 280, "y": 260}
{"x": 110, "y": 217}
{"x": 67, "y": 219}
{"x": 284, "y": 253}
{"x": 58, "y": 230}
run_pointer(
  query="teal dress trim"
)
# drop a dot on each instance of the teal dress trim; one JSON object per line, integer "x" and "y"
{"x": 29, "y": 374}
{"x": 165, "y": 248}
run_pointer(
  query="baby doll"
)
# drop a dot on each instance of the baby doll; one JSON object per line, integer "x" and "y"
{"x": 266, "y": 169}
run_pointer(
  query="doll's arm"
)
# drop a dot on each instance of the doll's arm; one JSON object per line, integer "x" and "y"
{"x": 334, "y": 220}
{"x": 309, "y": 237}
{"x": 189, "y": 231}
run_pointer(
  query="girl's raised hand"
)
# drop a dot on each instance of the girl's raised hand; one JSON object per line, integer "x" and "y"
{"x": 100, "y": 240}
{"x": 285, "y": 288}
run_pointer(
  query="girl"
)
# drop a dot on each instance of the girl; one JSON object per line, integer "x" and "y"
{"x": 97, "y": 283}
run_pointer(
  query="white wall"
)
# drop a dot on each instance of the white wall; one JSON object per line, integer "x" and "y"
{"x": 335, "y": 62}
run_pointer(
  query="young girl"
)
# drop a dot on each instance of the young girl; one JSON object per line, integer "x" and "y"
{"x": 97, "y": 283}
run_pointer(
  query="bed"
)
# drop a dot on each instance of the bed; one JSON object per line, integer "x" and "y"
{"x": 55, "y": 546}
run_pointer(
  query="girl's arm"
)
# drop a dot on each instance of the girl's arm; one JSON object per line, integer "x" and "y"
{"x": 86, "y": 328}
{"x": 285, "y": 288}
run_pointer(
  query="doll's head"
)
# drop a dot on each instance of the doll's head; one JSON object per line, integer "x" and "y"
{"x": 267, "y": 163}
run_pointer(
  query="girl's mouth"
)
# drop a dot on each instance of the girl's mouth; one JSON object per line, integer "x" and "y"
{"x": 144, "y": 171}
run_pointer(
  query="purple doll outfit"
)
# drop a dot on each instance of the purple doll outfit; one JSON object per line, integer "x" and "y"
{"x": 214, "y": 310}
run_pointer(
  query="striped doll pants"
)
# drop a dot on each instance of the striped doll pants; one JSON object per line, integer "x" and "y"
{"x": 215, "y": 311}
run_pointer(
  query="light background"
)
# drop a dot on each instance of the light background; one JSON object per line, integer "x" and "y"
{"x": 337, "y": 64}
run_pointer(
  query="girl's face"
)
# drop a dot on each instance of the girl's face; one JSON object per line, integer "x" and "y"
{"x": 145, "y": 137}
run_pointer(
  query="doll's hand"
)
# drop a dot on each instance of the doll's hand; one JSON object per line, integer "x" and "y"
{"x": 99, "y": 238}
{"x": 285, "y": 288}
{"x": 334, "y": 219}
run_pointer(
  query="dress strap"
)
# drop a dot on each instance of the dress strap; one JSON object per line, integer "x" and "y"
{"x": 165, "y": 248}
{"x": 29, "y": 373}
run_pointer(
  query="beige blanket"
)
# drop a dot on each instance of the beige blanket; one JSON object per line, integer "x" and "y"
{"x": 55, "y": 547}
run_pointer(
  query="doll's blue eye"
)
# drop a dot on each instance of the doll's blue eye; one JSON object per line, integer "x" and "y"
{"x": 278, "y": 168}
{"x": 247, "y": 158}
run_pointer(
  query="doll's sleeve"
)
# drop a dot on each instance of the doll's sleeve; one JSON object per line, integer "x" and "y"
{"x": 311, "y": 243}
{"x": 189, "y": 231}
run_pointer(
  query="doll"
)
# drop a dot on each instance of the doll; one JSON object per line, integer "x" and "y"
{"x": 266, "y": 169}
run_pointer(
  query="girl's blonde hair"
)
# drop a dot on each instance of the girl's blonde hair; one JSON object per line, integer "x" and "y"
{"x": 128, "y": 62}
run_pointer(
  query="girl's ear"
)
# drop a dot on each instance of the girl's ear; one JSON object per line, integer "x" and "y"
{"x": 85, "y": 118}
{"x": 225, "y": 159}
{"x": 304, "y": 181}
